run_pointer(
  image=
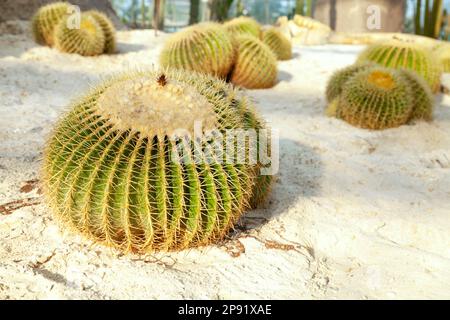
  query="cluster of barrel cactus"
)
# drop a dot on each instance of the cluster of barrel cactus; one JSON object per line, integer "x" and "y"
{"x": 58, "y": 25}
{"x": 205, "y": 47}
{"x": 375, "y": 97}
{"x": 238, "y": 51}
{"x": 115, "y": 170}
{"x": 400, "y": 54}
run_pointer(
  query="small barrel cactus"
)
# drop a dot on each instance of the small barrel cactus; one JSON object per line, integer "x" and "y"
{"x": 204, "y": 48}
{"x": 255, "y": 65}
{"x": 243, "y": 26}
{"x": 108, "y": 30}
{"x": 403, "y": 55}
{"x": 87, "y": 40}
{"x": 338, "y": 79}
{"x": 278, "y": 43}
{"x": 110, "y": 170}
{"x": 376, "y": 98}
{"x": 46, "y": 19}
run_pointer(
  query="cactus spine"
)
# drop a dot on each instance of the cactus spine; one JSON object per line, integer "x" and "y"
{"x": 46, "y": 19}
{"x": 278, "y": 43}
{"x": 109, "y": 169}
{"x": 88, "y": 40}
{"x": 402, "y": 55}
{"x": 243, "y": 26}
{"x": 205, "y": 48}
{"x": 108, "y": 30}
{"x": 255, "y": 66}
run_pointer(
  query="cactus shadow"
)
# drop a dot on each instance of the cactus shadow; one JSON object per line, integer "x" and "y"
{"x": 123, "y": 47}
{"x": 298, "y": 178}
{"x": 284, "y": 76}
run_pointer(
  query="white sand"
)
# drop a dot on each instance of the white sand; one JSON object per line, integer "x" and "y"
{"x": 354, "y": 214}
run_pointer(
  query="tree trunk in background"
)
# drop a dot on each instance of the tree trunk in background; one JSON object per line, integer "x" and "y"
{"x": 219, "y": 9}
{"x": 158, "y": 14}
{"x": 194, "y": 11}
{"x": 359, "y": 15}
{"x": 25, "y": 9}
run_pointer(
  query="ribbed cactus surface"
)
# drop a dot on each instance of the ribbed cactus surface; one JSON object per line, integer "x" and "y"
{"x": 108, "y": 30}
{"x": 278, "y": 43}
{"x": 255, "y": 65}
{"x": 45, "y": 20}
{"x": 422, "y": 96}
{"x": 111, "y": 170}
{"x": 243, "y": 26}
{"x": 403, "y": 55}
{"x": 442, "y": 52}
{"x": 87, "y": 40}
{"x": 375, "y": 99}
{"x": 205, "y": 48}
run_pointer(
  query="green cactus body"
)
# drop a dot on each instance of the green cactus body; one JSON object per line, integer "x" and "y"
{"x": 87, "y": 40}
{"x": 340, "y": 77}
{"x": 110, "y": 170}
{"x": 402, "y": 55}
{"x": 108, "y": 30}
{"x": 46, "y": 19}
{"x": 255, "y": 65}
{"x": 243, "y": 26}
{"x": 279, "y": 44}
{"x": 204, "y": 48}
{"x": 423, "y": 99}
{"x": 377, "y": 98}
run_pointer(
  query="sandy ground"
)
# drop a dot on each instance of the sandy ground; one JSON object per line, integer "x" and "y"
{"x": 354, "y": 213}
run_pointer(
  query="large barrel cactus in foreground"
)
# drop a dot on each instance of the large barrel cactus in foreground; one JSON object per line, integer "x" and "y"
{"x": 119, "y": 169}
{"x": 204, "y": 47}
{"x": 404, "y": 55}
{"x": 373, "y": 97}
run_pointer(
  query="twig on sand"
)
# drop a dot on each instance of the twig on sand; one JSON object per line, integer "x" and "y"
{"x": 10, "y": 207}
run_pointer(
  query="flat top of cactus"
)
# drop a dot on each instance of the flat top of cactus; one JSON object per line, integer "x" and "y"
{"x": 155, "y": 106}
{"x": 381, "y": 79}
